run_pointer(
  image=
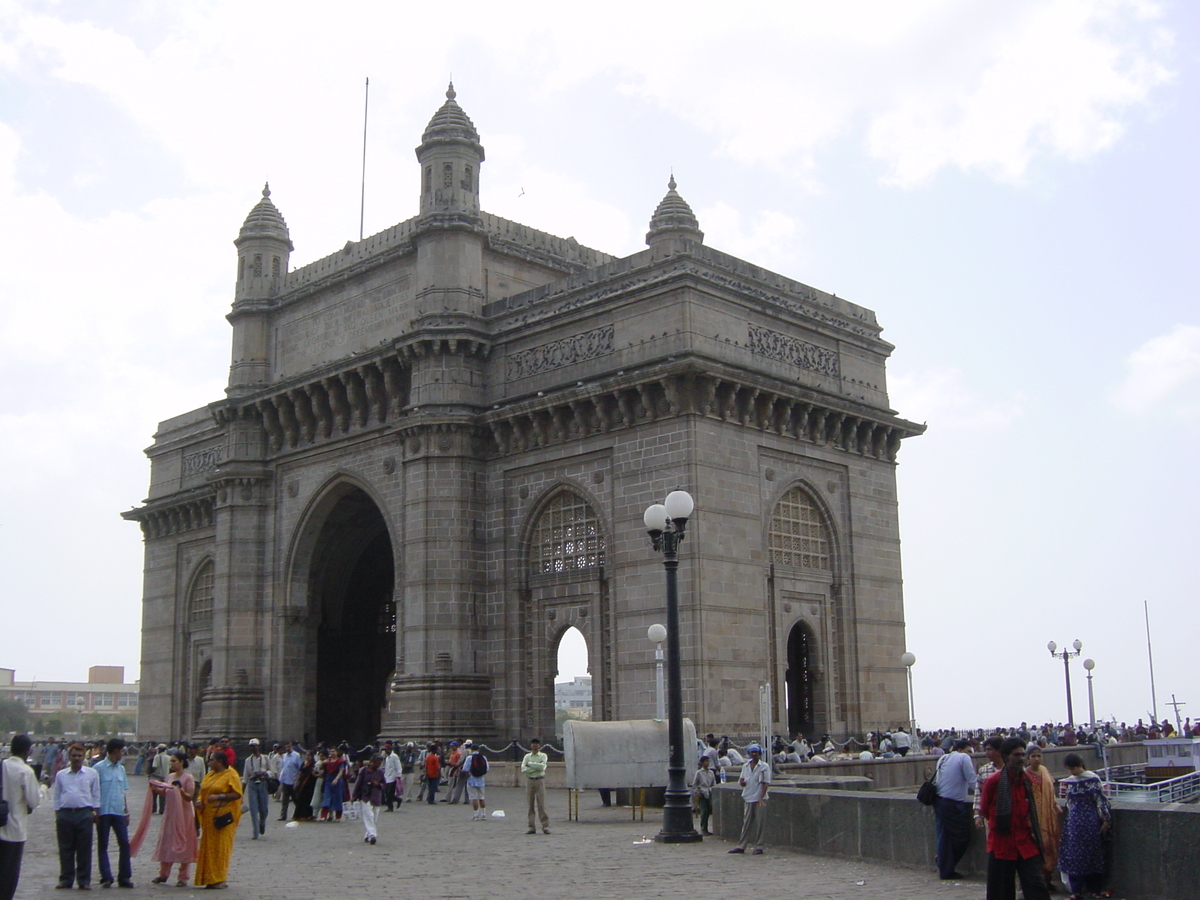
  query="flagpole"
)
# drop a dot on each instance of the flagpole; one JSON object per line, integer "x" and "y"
{"x": 1150, "y": 654}
{"x": 362, "y": 208}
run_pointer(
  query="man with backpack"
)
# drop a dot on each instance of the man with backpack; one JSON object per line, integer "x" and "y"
{"x": 476, "y": 769}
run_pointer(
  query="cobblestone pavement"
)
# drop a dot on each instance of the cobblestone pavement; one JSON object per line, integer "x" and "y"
{"x": 438, "y": 852}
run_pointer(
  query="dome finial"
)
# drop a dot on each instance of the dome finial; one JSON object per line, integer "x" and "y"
{"x": 450, "y": 94}
{"x": 671, "y": 183}
{"x": 266, "y": 189}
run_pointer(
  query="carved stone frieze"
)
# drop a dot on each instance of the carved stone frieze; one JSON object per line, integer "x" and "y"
{"x": 562, "y": 352}
{"x": 201, "y": 460}
{"x": 788, "y": 349}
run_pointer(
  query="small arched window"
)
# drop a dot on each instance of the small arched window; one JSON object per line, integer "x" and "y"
{"x": 566, "y": 537}
{"x": 798, "y": 534}
{"x": 200, "y": 597}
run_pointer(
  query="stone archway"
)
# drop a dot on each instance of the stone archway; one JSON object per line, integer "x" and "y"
{"x": 351, "y": 583}
{"x": 800, "y": 678}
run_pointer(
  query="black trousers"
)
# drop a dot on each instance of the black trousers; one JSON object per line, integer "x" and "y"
{"x": 1000, "y": 884}
{"x": 10, "y": 867}
{"x": 287, "y": 794}
{"x": 74, "y": 829}
{"x": 953, "y": 818}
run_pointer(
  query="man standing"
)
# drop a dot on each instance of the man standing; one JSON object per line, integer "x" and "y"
{"x": 1014, "y": 838}
{"x": 475, "y": 769}
{"x": 393, "y": 784}
{"x": 255, "y": 772}
{"x": 454, "y": 790}
{"x": 50, "y": 760}
{"x": 408, "y": 764}
{"x": 755, "y": 781}
{"x": 76, "y": 802}
{"x": 19, "y": 787}
{"x": 195, "y": 764}
{"x": 901, "y": 741}
{"x": 159, "y": 768}
{"x": 954, "y": 778}
{"x": 114, "y": 815}
{"x": 533, "y": 767}
{"x": 994, "y": 764}
{"x": 433, "y": 773}
{"x": 289, "y": 772}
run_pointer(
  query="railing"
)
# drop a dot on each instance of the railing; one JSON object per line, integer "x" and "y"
{"x": 1128, "y": 783}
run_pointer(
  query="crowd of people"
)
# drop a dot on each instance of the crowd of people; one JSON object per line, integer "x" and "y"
{"x": 200, "y": 798}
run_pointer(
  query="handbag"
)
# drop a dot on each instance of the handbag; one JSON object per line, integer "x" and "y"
{"x": 927, "y": 793}
{"x": 223, "y": 820}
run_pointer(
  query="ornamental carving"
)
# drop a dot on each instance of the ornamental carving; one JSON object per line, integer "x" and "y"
{"x": 563, "y": 352}
{"x": 785, "y": 348}
{"x": 201, "y": 461}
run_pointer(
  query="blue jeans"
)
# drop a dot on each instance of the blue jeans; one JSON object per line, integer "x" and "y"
{"x": 953, "y": 819}
{"x": 431, "y": 786}
{"x": 120, "y": 828}
{"x": 256, "y": 798}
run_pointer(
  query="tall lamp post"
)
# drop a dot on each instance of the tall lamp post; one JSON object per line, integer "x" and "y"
{"x": 657, "y": 633}
{"x": 1066, "y": 656}
{"x": 1090, "y": 664}
{"x": 908, "y": 659}
{"x": 666, "y": 523}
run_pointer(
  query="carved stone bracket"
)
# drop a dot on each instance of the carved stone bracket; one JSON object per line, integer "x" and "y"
{"x": 177, "y": 515}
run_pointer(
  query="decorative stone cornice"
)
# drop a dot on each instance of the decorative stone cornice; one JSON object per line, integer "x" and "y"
{"x": 688, "y": 390}
{"x": 177, "y": 514}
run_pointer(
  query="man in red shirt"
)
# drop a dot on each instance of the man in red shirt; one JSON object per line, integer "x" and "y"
{"x": 1013, "y": 840}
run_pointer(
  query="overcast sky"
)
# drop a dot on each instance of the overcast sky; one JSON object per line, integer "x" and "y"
{"x": 1011, "y": 187}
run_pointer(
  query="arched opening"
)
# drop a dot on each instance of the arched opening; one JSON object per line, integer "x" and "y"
{"x": 351, "y": 592}
{"x": 572, "y": 683}
{"x": 801, "y": 660}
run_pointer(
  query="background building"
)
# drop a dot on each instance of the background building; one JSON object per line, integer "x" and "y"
{"x": 103, "y": 703}
{"x": 434, "y": 455}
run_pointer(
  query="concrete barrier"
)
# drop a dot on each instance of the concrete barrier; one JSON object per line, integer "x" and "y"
{"x": 1154, "y": 847}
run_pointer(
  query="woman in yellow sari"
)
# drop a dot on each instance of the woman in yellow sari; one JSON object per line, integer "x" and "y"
{"x": 219, "y": 801}
{"x": 1047, "y": 811}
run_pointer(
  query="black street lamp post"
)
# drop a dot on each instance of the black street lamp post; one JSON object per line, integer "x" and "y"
{"x": 667, "y": 524}
{"x": 1066, "y": 656}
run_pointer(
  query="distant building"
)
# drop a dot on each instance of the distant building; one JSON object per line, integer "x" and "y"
{"x": 575, "y": 696}
{"x": 105, "y": 692}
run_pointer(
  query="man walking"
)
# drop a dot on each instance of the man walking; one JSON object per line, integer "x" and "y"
{"x": 1014, "y": 838}
{"x": 76, "y": 802}
{"x": 255, "y": 773}
{"x": 954, "y": 778}
{"x": 755, "y": 781}
{"x": 19, "y": 788}
{"x": 289, "y": 772}
{"x": 368, "y": 791}
{"x": 114, "y": 815}
{"x": 533, "y": 767}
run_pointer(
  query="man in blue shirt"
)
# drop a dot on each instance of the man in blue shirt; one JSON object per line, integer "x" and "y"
{"x": 114, "y": 815}
{"x": 289, "y": 772}
{"x": 954, "y": 777}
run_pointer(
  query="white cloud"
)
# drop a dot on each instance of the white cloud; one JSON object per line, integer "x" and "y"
{"x": 1163, "y": 374}
{"x": 946, "y": 400}
{"x": 770, "y": 234}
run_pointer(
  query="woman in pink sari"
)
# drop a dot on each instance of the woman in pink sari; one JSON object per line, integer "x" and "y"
{"x": 177, "y": 839}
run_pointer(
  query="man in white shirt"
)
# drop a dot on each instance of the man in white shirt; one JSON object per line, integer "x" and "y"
{"x": 755, "y": 781}
{"x": 20, "y": 788}
{"x": 254, "y": 780}
{"x": 392, "y": 777}
{"x": 901, "y": 742}
{"x": 76, "y": 804}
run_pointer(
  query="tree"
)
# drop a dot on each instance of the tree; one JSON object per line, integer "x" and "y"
{"x": 50, "y": 725}
{"x": 13, "y": 715}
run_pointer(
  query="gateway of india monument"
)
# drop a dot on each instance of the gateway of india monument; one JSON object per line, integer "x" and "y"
{"x": 433, "y": 457}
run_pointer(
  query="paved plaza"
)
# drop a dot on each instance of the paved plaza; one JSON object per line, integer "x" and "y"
{"x": 438, "y": 852}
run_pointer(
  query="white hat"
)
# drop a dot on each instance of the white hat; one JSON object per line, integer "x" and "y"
{"x": 253, "y": 741}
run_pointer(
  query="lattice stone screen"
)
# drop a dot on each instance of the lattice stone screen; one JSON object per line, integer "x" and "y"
{"x": 200, "y": 601}
{"x": 798, "y": 535}
{"x": 566, "y": 537}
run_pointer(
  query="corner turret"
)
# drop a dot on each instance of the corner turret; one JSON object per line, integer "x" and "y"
{"x": 673, "y": 220}
{"x": 264, "y": 248}
{"x": 450, "y": 155}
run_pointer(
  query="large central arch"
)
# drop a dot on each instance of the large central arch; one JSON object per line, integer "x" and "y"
{"x": 347, "y": 570}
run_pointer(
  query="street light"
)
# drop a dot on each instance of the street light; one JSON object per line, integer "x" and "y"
{"x": 908, "y": 659}
{"x": 658, "y": 634}
{"x": 666, "y": 523}
{"x": 1090, "y": 664}
{"x": 1065, "y": 655}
